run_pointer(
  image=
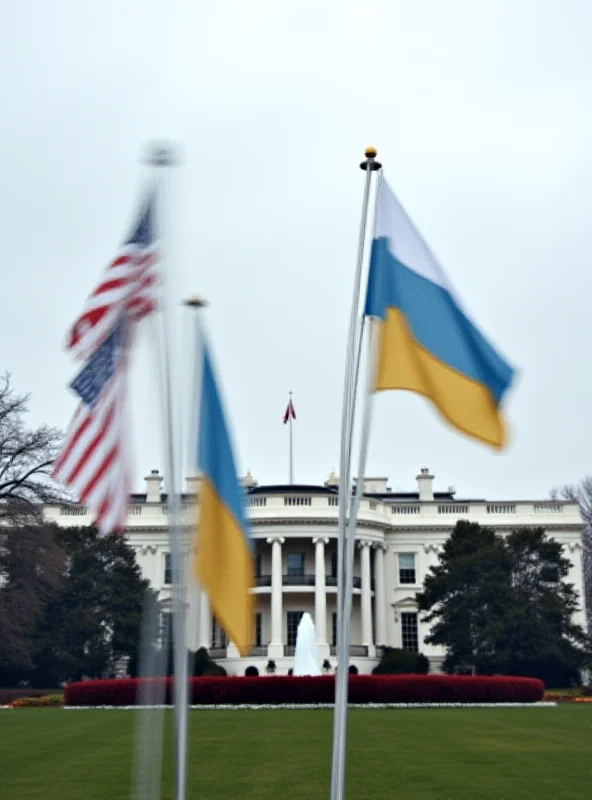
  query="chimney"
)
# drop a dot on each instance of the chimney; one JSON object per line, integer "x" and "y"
{"x": 248, "y": 481}
{"x": 424, "y": 484}
{"x": 192, "y": 485}
{"x": 332, "y": 481}
{"x": 153, "y": 482}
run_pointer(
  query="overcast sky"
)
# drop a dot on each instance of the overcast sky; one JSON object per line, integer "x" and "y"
{"x": 480, "y": 110}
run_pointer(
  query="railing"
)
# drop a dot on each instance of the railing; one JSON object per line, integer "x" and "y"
{"x": 258, "y": 650}
{"x": 217, "y": 652}
{"x": 358, "y": 650}
{"x": 262, "y": 580}
{"x": 405, "y": 509}
{"x": 257, "y": 501}
{"x": 331, "y": 580}
{"x": 297, "y": 501}
{"x": 289, "y": 650}
{"x": 72, "y": 511}
{"x": 548, "y": 508}
{"x": 453, "y": 509}
{"x": 500, "y": 508}
{"x": 298, "y": 580}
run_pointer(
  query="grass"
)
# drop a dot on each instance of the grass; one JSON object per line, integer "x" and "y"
{"x": 448, "y": 754}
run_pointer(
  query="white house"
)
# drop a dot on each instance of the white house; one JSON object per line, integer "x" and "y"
{"x": 399, "y": 536}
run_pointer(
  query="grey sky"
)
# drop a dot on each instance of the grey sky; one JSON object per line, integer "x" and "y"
{"x": 481, "y": 114}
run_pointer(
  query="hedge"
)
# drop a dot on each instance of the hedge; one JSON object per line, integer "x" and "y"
{"x": 8, "y": 695}
{"x": 278, "y": 690}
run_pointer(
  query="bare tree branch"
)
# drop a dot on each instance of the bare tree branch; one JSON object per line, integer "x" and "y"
{"x": 581, "y": 493}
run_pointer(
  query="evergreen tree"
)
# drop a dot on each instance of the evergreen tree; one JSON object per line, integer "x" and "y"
{"x": 502, "y": 605}
{"x": 93, "y": 623}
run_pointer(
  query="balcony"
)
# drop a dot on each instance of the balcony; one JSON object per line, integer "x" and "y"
{"x": 260, "y": 651}
{"x": 298, "y": 580}
{"x": 304, "y": 580}
{"x": 358, "y": 650}
{"x": 331, "y": 580}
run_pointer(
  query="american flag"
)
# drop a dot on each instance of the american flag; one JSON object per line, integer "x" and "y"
{"x": 94, "y": 460}
{"x": 128, "y": 285}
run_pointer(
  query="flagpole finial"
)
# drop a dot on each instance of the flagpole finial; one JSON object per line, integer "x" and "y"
{"x": 195, "y": 301}
{"x": 161, "y": 154}
{"x": 370, "y": 163}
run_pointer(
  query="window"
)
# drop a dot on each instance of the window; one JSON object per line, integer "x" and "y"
{"x": 409, "y": 634}
{"x": 295, "y": 563}
{"x": 407, "y": 568}
{"x": 258, "y": 626}
{"x": 294, "y": 618}
{"x": 550, "y": 573}
{"x": 258, "y": 565}
{"x": 219, "y": 639}
{"x": 334, "y": 629}
{"x": 168, "y": 571}
{"x": 333, "y": 565}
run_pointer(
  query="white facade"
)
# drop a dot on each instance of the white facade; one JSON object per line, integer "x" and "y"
{"x": 399, "y": 537}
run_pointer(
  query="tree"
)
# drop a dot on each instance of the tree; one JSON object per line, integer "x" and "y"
{"x": 401, "y": 662}
{"x": 93, "y": 622}
{"x": 502, "y": 605}
{"x": 31, "y": 558}
{"x": 581, "y": 493}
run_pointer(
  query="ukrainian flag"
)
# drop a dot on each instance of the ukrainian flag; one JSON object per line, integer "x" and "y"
{"x": 426, "y": 343}
{"x": 223, "y": 563}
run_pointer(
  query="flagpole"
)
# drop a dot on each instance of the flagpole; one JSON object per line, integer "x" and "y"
{"x": 196, "y": 304}
{"x": 291, "y": 442}
{"x": 355, "y": 333}
{"x": 164, "y": 157}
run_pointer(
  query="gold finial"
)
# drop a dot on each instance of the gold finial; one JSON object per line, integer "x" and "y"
{"x": 195, "y": 301}
{"x": 370, "y": 164}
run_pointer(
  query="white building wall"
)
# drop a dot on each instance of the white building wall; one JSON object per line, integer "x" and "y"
{"x": 401, "y": 526}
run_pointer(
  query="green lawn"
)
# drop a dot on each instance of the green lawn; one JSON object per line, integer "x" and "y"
{"x": 448, "y": 754}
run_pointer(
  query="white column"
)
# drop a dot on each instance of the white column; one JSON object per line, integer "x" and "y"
{"x": 276, "y": 645}
{"x": 366, "y": 598}
{"x": 205, "y": 622}
{"x": 321, "y": 597}
{"x": 379, "y": 595}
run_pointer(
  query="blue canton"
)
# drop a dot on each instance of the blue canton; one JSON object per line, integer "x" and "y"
{"x": 99, "y": 369}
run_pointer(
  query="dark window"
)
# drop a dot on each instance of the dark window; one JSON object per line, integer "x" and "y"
{"x": 168, "y": 571}
{"x": 219, "y": 639}
{"x": 258, "y": 565}
{"x": 294, "y": 618}
{"x": 333, "y": 565}
{"x": 295, "y": 563}
{"x": 334, "y": 629}
{"x": 407, "y": 568}
{"x": 550, "y": 573}
{"x": 409, "y": 634}
{"x": 258, "y": 623}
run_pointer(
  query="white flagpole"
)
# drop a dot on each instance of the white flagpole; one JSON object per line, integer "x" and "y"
{"x": 291, "y": 441}
{"x": 350, "y": 388}
{"x": 194, "y": 591}
{"x": 351, "y": 537}
{"x": 163, "y": 156}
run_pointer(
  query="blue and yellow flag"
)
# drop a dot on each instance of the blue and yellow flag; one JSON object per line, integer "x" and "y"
{"x": 426, "y": 343}
{"x": 223, "y": 562}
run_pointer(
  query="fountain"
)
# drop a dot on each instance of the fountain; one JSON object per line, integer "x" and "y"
{"x": 306, "y": 657}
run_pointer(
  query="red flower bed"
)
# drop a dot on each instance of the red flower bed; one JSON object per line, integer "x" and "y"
{"x": 276, "y": 690}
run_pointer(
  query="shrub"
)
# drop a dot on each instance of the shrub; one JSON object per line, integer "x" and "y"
{"x": 47, "y": 701}
{"x": 278, "y": 690}
{"x": 7, "y": 696}
{"x": 251, "y": 672}
{"x": 401, "y": 662}
{"x": 353, "y": 670}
